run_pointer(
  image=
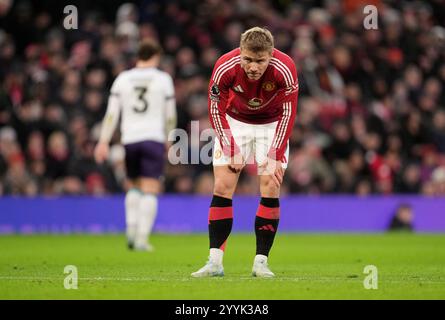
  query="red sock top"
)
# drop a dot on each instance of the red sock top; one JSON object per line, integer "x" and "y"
{"x": 268, "y": 213}
{"x": 219, "y": 213}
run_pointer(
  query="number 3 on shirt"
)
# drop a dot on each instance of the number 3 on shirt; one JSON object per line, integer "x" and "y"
{"x": 141, "y": 97}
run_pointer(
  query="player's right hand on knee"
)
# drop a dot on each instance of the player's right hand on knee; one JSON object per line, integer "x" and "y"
{"x": 237, "y": 163}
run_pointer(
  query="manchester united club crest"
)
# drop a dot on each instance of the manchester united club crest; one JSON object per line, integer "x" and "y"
{"x": 218, "y": 154}
{"x": 269, "y": 86}
{"x": 255, "y": 103}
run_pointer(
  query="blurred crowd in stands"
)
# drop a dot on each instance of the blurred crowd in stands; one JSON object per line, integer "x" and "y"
{"x": 371, "y": 110}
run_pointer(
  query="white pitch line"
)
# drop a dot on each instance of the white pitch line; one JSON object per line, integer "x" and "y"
{"x": 30, "y": 278}
{"x": 225, "y": 279}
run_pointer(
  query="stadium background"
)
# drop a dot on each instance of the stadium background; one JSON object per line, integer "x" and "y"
{"x": 369, "y": 141}
{"x": 371, "y": 111}
{"x": 371, "y": 116}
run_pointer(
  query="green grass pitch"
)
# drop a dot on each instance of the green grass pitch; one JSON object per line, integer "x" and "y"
{"x": 307, "y": 266}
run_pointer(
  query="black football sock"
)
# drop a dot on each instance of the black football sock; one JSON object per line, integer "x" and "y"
{"x": 220, "y": 221}
{"x": 266, "y": 224}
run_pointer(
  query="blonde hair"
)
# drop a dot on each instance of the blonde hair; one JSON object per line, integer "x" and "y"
{"x": 257, "y": 39}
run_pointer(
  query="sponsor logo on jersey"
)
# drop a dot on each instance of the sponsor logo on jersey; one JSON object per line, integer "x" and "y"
{"x": 255, "y": 103}
{"x": 269, "y": 86}
{"x": 238, "y": 88}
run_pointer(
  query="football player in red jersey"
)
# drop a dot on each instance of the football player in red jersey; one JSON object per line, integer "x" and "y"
{"x": 252, "y": 106}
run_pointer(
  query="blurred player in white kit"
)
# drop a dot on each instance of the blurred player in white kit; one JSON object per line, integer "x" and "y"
{"x": 145, "y": 97}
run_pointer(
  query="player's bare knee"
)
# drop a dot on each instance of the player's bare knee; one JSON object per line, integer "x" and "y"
{"x": 268, "y": 187}
{"x": 266, "y": 182}
{"x": 223, "y": 188}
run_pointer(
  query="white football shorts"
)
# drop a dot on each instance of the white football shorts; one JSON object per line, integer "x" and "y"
{"x": 253, "y": 140}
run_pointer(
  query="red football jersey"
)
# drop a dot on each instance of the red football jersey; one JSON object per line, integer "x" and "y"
{"x": 271, "y": 98}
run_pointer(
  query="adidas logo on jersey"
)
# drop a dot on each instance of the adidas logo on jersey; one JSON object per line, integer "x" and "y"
{"x": 238, "y": 89}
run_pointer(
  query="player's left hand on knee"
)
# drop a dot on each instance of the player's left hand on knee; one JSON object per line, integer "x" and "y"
{"x": 278, "y": 173}
{"x": 274, "y": 169}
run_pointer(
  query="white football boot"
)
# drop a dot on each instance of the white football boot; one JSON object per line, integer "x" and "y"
{"x": 209, "y": 270}
{"x": 214, "y": 266}
{"x": 260, "y": 268}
